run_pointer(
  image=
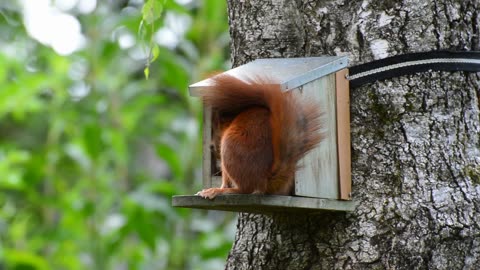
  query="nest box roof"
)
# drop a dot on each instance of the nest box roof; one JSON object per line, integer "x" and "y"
{"x": 290, "y": 72}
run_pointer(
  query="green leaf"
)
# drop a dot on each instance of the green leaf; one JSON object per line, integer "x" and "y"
{"x": 152, "y": 10}
{"x": 146, "y": 71}
{"x": 164, "y": 187}
{"x": 17, "y": 259}
{"x": 171, "y": 157}
{"x": 140, "y": 221}
{"x": 155, "y": 53}
{"x": 93, "y": 140}
{"x": 12, "y": 169}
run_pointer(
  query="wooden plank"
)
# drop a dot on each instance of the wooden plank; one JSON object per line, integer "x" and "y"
{"x": 207, "y": 154}
{"x": 318, "y": 176}
{"x": 254, "y": 203}
{"x": 343, "y": 134}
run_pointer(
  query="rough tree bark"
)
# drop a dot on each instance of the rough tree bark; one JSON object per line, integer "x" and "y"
{"x": 415, "y": 139}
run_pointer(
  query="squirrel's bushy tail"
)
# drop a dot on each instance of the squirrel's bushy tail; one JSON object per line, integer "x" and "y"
{"x": 295, "y": 121}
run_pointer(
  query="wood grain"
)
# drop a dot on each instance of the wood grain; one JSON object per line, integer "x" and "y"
{"x": 253, "y": 203}
{"x": 343, "y": 135}
{"x": 318, "y": 176}
{"x": 207, "y": 140}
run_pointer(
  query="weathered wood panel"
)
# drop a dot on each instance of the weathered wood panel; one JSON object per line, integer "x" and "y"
{"x": 343, "y": 135}
{"x": 207, "y": 154}
{"x": 318, "y": 176}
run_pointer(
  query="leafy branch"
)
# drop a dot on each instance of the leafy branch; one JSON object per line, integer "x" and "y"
{"x": 151, "y": 12}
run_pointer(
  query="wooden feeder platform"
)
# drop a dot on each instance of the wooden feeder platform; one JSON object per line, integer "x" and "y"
{"x": 261, "y": 204}
{"x": 323, "y": 181}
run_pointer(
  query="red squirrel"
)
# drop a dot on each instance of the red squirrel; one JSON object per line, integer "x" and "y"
{"x": 263, "y": 134}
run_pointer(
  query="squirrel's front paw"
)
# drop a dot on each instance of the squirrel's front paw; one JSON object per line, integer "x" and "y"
{"x": 208, "y": 193}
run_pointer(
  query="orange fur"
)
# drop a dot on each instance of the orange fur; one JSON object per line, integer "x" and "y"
{"x": 263, "y": 134}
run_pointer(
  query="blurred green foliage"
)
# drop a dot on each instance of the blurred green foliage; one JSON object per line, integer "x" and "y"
{"x": 91, "y": 151}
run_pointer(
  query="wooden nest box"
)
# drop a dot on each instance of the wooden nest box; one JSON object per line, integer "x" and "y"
{"x": 324, "y": 180}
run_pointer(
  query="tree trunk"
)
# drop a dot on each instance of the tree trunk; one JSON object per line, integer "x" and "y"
{"x": 415, "y": 139}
